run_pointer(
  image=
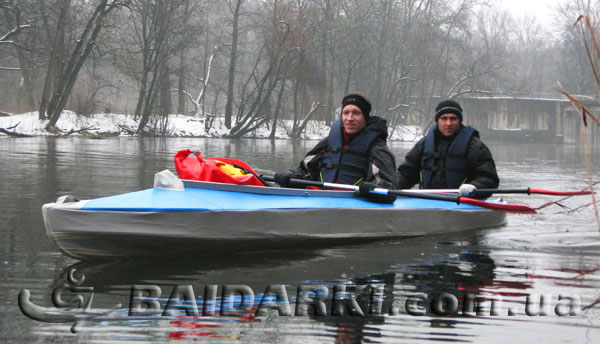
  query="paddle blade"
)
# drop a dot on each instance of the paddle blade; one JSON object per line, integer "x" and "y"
{"x": 510, "y": 208}
{"x": 560, "y": 193}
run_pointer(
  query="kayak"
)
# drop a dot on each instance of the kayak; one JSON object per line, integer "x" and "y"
{"x": 214, "y": 217}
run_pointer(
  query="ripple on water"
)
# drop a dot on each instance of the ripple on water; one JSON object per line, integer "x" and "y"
{"x": 553, "y": 253}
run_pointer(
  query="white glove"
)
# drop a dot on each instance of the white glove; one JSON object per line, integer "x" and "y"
{"x": 466, "y": 189}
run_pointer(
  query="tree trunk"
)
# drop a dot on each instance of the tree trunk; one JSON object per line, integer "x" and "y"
{"x": 82, "y": 49}
{"x": 232, "y": 61}
{"x": 159, "y": 21}
{"x": 277, "y": 109}
{"x": 165, "y": 97}
{"x": 296, "y": 110}
{"x": 182, "y": 65}
{"x": 181, "y": 83}
{"x": 80, "y": 53}
{"x": 57, "y": 45}
{"x": 149, "y": 100}
{"x": 142, "y": 94}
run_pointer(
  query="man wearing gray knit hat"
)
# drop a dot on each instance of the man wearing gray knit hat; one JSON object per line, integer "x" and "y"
{"x": 450, "y": 156}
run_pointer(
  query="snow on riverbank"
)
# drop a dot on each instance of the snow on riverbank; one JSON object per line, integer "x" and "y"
{"x": 177, "y": 126}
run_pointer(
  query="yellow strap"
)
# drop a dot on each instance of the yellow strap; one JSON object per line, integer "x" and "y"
{"x": 229, "y": 169}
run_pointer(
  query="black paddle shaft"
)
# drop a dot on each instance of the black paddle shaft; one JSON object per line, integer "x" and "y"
{"x": 435, "y": 197}
{"x": 431, "y": 196}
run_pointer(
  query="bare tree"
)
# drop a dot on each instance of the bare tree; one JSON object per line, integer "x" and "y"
{"x": 61, "y": 88}
{"x": 57, "y": 54}
{"x": 182, "y": 69}
{"x": 13, "y": 17}
{"x": 530, "y": 57}
{"x": 198, "y": 101}
{"x": 262, "y": 85}
{"x": 301, "y": 125}
{"x": 16, "y": 24}
{"x": 158, "y": 35}
{"x": 235, "y": 7}
{"x": 572, "y": 61}
{"x": 486, "y": 58}
{"x": 237, "y": 58}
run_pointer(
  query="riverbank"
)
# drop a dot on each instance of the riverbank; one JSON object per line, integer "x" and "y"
{"x": 106, "y": 125}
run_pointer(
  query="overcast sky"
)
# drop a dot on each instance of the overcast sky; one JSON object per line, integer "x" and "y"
{"x": 540, "y": 8}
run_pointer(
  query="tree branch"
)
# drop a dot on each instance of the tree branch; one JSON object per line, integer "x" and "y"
{"x": 8, "y": 6}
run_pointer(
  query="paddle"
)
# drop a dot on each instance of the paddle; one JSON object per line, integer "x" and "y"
{"x": 528, "y": 191}
{"x": 516, "y": 208}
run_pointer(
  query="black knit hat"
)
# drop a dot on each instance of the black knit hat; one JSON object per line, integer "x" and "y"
{"x": 360, "y": 100}
{"x": 448, "y": 106}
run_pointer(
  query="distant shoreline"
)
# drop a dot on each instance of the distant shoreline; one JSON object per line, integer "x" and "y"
{"x": 118, "y": 125}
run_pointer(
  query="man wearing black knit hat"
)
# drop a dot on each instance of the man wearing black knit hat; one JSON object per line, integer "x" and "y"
{"x": 355, "y": 152}
{"x": 450, "y": 156}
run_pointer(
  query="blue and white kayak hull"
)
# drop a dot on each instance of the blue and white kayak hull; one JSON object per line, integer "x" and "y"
{"x": 213, "y": 216}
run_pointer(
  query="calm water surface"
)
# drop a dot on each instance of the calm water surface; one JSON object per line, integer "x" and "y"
{"x": 554, "y": 253}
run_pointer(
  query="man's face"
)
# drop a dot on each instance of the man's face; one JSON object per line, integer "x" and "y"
{"x": 353, "y": 119}
{"x": 448, "y": 124}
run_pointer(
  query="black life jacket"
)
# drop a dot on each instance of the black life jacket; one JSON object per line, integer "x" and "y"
{"x": 456, "y": 158}
{"x": 350, "y": 165}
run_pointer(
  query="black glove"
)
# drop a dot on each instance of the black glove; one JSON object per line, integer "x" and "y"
{"x": 364, "y": 188}
{"x": 363, "y": 191}
{"x": 283, "y": 179}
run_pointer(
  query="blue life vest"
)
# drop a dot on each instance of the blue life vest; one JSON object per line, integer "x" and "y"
{"x": 350, "y": 165}
{"x": 455, "y": 158}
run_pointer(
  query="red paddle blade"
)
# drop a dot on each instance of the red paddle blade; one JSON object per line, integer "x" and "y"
{"x": 510, "y": 208}
{"x": 560, "y": 193}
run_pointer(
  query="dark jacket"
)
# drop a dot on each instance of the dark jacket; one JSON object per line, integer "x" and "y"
{"x": 346, "y": 160}
{"x": 480, "y": 169}
{"x": 380, "y": 170}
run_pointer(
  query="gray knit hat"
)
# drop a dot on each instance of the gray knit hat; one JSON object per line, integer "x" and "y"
{"x": 448, "y": 106}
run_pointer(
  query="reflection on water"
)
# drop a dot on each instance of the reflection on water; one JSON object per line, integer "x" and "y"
{"x": 480, "y": 279}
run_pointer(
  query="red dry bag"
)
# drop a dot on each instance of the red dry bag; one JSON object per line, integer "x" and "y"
{"x": 190, "y": 165}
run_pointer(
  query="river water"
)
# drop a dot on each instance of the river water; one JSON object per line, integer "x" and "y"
{"x": 555, "y": 253}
